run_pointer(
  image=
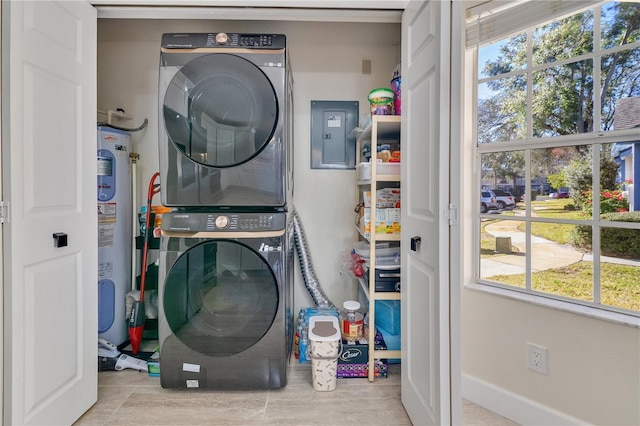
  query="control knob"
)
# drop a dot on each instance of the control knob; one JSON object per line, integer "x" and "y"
{"x": 222, "y": 38}
{"x": 222, "y": 222}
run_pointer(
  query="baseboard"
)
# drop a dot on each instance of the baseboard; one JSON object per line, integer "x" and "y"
{"x": 515, "y": 407}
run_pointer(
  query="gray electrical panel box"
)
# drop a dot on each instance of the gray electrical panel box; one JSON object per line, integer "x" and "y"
{"x": 333, "y": 142}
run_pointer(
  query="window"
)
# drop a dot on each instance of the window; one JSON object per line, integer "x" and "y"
{"x": 557, "y": 127}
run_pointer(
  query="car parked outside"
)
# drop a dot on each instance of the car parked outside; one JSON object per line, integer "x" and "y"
{"x": 487, "y": 201}
{"x": 561, "y": 193}
{"x": 504, "y": 199}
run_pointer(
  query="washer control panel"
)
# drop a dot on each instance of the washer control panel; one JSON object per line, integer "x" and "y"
{"x": 222, "y": 40}
{"x": 223, "y": 222}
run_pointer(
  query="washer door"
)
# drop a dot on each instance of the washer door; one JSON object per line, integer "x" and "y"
{"x": 220, "y": 298}
{"x": 220, "y": 110}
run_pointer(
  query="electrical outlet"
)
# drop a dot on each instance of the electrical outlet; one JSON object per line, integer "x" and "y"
{"x": 537, "y": 358}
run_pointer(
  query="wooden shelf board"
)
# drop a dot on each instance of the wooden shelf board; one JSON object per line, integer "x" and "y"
{"x": 387, "y": 295}
{"x": 386, "y": 354}
{"x": 381, "y": 178}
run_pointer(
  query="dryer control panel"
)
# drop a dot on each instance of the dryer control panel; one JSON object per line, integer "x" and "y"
{"x": 223, "y": 40}
{"x": 219, "y": 222}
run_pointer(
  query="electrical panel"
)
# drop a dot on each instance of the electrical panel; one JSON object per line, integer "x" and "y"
{"x": 333, "y": 142}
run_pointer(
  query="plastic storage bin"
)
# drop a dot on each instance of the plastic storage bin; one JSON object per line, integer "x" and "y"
{"x": 383, "y": 250}
{"x": 324, "y": 342}
{"x": 364, "y": 169}
{"x": 388, "y": 315}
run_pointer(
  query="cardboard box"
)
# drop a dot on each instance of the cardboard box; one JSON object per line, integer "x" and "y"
{"x": 385, "y": 198}
{"x": 386, "y": 280}
{"x": 382, "y": 215}
{"x": 354, "y": 359}
{"x": 381, "y": 227}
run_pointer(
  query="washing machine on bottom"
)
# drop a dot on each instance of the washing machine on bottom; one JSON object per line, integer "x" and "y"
{"x": 225, "y": 301}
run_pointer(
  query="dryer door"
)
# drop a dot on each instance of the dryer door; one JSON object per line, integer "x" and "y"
{"x": 220, "y": 297}
{"x": 220, "y": 110}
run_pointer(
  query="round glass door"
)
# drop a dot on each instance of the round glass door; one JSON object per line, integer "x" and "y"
{"x": 220, "y": 110}
{"x": 220, "y": 298}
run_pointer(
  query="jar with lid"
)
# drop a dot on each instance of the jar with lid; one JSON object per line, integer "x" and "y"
{"x": 351, "y": 321}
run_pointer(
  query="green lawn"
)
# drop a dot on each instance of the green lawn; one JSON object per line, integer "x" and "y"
{"x": 487, "y": 241}
{"x": 619, "y": 284}
{"x": 553, "y": 208}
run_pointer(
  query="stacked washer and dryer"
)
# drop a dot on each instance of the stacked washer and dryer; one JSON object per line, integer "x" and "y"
{"x": 226, "y": 251}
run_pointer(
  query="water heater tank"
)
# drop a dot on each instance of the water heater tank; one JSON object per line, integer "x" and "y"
{"x": 114, "y": 232}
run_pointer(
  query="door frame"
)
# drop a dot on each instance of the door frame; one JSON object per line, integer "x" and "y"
{"x": 455, "y": 200}
{"x": 1, "y": 236}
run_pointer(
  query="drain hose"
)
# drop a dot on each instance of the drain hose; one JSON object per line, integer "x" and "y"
{"x": 308, "y": 274}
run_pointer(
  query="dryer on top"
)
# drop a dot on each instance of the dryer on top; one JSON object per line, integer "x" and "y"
{"x": 224, "y": 132}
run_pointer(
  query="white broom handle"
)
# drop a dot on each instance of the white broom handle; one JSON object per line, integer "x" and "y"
{"x": 134, "y": 224}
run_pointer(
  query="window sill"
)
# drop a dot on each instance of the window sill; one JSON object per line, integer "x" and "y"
{"x": 574, "y": 308}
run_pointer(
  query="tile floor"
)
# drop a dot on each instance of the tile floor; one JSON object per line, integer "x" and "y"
{"x": 130, "y": 397}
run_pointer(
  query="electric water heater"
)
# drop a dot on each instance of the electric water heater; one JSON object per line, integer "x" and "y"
{"x": 114, "y": 232}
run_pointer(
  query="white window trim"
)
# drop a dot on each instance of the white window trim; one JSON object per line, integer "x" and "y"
{"x": 471, "y": 278}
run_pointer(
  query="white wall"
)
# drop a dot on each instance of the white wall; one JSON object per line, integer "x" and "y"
{"x": 326, "y": 59}
{"x": 594, "y": 365}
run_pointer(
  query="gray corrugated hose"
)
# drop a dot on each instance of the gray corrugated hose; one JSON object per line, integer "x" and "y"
{"x": 308, "y": 274}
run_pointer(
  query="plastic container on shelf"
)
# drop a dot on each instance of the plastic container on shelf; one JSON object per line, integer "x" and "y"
{"x": 324, "y": 350}
{"x": 364, "y": 169}
{"x": 396, "y": 87}
{"x": 351, "y": 321}
{"x": 381, "y": 101}
{"x": 388, "y": 315}
{"x": 383, "y": 249}
{"x": 384, "y": 263}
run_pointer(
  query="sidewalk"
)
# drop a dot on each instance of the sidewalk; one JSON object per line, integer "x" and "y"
{"x": 545, "y": 254}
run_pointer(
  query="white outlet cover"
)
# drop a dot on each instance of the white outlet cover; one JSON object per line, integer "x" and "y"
{"x": 537, "y": 358}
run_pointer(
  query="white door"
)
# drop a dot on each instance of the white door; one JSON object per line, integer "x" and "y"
{"x": 425, "y": 196}
{"x": 49, "y": 153}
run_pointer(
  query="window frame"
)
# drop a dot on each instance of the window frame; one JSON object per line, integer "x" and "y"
{"x": 595, "y": 138}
